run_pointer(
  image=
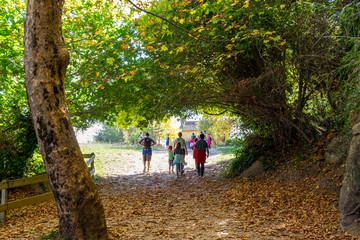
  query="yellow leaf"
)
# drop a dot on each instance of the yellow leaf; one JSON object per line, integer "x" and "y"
{"x": 182, "y": 21}
{"x": 127, "y": 78}
{"x": 179, "y": 49}
{"x": 133, "y": 72}
{"x": 282, "y": 6}
{"x": 110, "y": 61}
{"x": 266, "y": 41}
{"x": 97, "y": 74}
{"x": 164, "y": 48}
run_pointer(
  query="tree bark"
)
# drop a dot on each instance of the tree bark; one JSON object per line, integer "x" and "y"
{"x": 80, "y": 211}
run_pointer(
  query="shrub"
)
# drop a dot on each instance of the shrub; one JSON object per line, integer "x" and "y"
{"x": 17, "y": 145}
{"x": 35, "y": 165}
{"x": 232, "y": 142}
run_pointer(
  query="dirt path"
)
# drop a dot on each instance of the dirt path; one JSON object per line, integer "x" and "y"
{"x": 157, "y": 205}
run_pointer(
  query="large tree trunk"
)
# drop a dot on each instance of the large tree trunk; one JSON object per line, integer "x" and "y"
{"x": 81, "y": 214}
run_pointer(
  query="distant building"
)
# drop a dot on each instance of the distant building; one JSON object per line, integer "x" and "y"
{"x": 187, "y": 128}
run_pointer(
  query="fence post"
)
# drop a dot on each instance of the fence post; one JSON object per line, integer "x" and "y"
{"x": 4, "y": 198}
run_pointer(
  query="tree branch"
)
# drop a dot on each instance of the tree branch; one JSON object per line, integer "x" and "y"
{"x": 175, "y": 25}
{"x": 215, "y": 114}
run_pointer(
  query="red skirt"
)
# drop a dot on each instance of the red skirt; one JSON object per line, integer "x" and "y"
{"x": 200, "y": 156}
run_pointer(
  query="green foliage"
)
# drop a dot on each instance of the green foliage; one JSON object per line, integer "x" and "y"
{"x": 243, "y": 57}
{"x": 345, "y": 98}
{"x": 110, "y": 134}
{"x": 271, "y": 63}
{"x": 232, "y": 142}
{"x": 35, "y": 165}
{"x": 53, "y": 234}
{"x": 132, "y": 135}
{"x": 203, "y": 125}
{"x": 17, "y": 144}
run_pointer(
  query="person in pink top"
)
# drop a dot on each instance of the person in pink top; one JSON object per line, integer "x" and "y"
{"x": 209, "y": 140}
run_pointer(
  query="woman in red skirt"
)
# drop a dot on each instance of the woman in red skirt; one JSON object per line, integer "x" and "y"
{"x": 201, "y": 152}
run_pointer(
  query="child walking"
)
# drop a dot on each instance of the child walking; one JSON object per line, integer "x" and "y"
{"x": 179, "y": 159}
{"x": 171, "y": 159}
{"x": 183, "y": 146}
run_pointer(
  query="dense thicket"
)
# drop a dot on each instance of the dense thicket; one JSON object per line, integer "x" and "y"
{"x": 17, "y": 145}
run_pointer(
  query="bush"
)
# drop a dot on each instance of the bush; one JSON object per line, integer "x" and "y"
{"x": 232, "y": 142}
{"x": 17, "y": 145}
{"x": 35, "y": 165}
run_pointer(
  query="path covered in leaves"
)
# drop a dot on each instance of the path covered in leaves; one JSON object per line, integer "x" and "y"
{"x": 157, "y": 205}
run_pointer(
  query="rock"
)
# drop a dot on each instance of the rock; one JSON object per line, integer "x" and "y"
{"x": 336, "y": 149}
{"x": 256, "y": 170}
{"x": 349, "y": 202}
{"x": 356, "y": 129}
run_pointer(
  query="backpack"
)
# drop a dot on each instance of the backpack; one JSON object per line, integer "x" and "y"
{"x": 147, "y": 142}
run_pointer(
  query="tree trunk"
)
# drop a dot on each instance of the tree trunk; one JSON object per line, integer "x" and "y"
{"x": 81, "y": 214}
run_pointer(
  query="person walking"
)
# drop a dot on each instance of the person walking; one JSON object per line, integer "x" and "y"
{"x": 201, "y": 152}
{"x": 167, "y": 141}
{"x": 147, "y": 143}
{"x": 192, "y": 140}
{"x": 179, "y": 159}
{"x": 171, "y": 159}
{"x": 183, "y": 145}
{"x": 209, "y": 140}
{"x": 193, "y": 148}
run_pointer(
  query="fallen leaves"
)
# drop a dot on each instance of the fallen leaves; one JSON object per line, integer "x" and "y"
{"x": 156, "y": 205}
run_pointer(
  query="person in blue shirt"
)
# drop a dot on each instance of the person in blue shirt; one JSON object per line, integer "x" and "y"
{"x": 167, "y": 141}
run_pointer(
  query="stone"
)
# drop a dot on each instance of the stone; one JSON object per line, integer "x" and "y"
{"x": 336, "y": 149}
{"x": 255, "y": 170}
{"x": 356, "y": 129}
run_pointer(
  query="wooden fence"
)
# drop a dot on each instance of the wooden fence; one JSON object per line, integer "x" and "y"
{"x": 6, "y": 184}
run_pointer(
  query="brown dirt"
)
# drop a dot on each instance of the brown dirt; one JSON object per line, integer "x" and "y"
{"x": 157, "y": 205}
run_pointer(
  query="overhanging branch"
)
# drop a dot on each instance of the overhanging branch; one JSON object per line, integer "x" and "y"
{"x": 175, "y": 25}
